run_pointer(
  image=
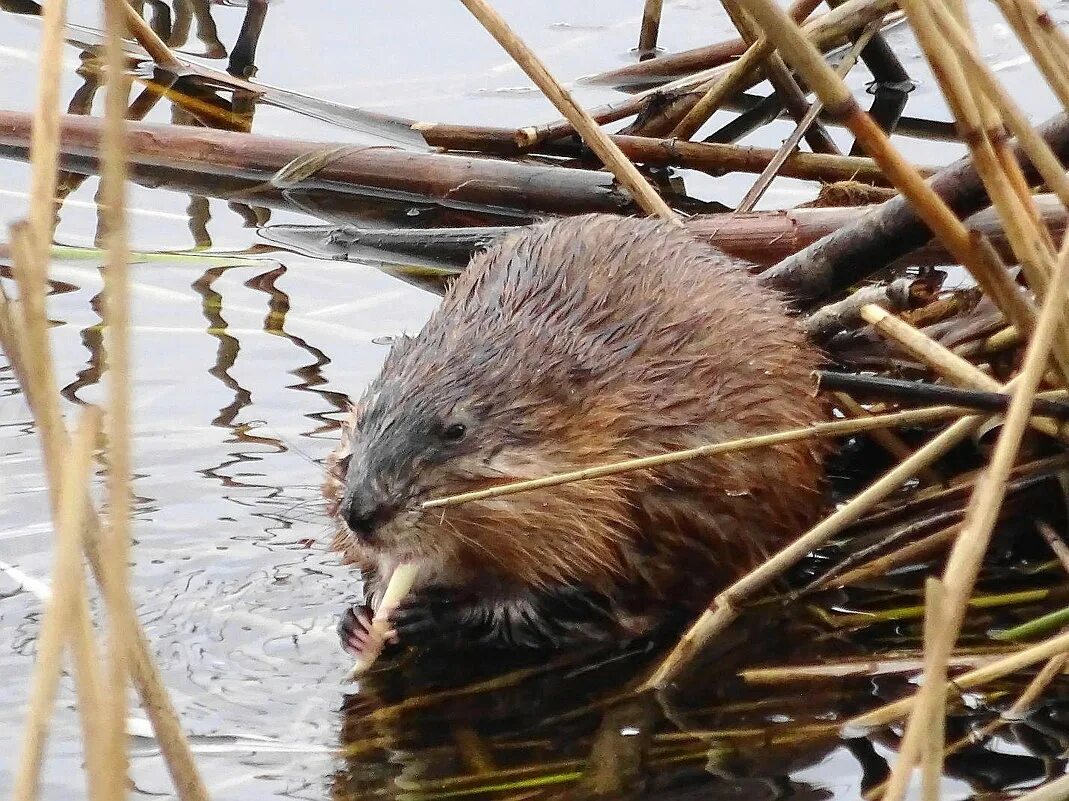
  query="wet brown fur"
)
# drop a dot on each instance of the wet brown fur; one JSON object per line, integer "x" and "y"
{"x": 584, "y": 341}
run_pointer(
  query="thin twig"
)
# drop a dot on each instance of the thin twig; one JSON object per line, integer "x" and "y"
{"x": 764, "y": 180}
{"x": 598, "y": 141}
{"x": 828, "y": 429}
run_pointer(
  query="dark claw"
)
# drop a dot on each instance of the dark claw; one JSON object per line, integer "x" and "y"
{"x": 432, "y": 611}
{"x": 413, "y": 622}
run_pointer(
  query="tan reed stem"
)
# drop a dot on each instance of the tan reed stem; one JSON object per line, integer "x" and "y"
{"x": 41, "y": 392}
{"x": 651, "y": 25}
{"x": 945, "y": 361}
{"x": 117, "y": 343}
{"x": 44, "y": 142}
{"x": 982, "y": 127}
{"x": 974, "y": 678}
{"x": 595, "y": 138}
{"x": 964, "y": 563}
{"x": 723, "y": 87}
{"x": 1038, "y": 151}
{"x": 724, "y": 608}
{"x": 935, "y": 669}
{"x": 751, "y": 197}
{"x": 1055, "y": 543}
{"x": 981, "y": 513}
{"x": 840, "y": 103}
{"x": 147, "y": 38}
{"x": 1051, "y": 670}
{"x": 1045, "y": 44}
{"x": 782, "y": 80}
{"x": 59, "y": 613}
{"x": 916, "y": 744}
{"x": 830, "y": 429}
{"x": 881, "y": 565}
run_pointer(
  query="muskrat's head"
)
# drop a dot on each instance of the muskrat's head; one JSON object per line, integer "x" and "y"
{"x": 430, "y": 427}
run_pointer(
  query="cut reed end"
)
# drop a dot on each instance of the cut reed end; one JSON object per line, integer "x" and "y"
{"x": 399, "y": 586}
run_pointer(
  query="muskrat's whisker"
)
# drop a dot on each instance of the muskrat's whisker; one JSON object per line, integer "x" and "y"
{"x": 472, "y": 541}
{"x": 812, "y": 431}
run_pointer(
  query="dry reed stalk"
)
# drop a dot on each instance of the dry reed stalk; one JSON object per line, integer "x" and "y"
{"x": 963, "y": 565}
{"x": 1055, "y": 543}
{"x": 876, "y": 666}
{"x": 651, "y": 25}
{"x": 146, "y": 675}
{"x": 1038, "y": 151}
{"x": 993, "y": 671}
{"x": 146, "y": 37}
{"x": 1051, "y": 670}
{"x": 721, "y": 89}
{"x": 881, "y": 565}
{"x": 1045, "y": 43}
{"x": 595, "y": 138}
{"x": 763, "y": 181}
{"x": 829, "y": 429}
{"x": 983, "y": 129}
{"x": 967, "y": 554}
{"x": 945, "y": 361}
{"x": 59, "y": 617}
{"x": 44, "y": 145}
{"x": 787, "y": 90}
{"x": 921, "y": 742}
{"x": 995, "y": 281}
{"x": 724, "y": 608}
{"x": 798, "y": 51}
{"x": 117, "y": 342}
{"x": 30, "y": 346}
{"x": 935, "y": 692}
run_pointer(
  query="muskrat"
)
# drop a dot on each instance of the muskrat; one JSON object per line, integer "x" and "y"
{"x": 568, "y": 344}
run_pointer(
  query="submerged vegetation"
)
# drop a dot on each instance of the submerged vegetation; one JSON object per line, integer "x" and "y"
{"x": 916, "y": 640}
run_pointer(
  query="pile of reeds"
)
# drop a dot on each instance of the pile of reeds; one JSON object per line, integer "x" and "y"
{"x": 978, "y": 466}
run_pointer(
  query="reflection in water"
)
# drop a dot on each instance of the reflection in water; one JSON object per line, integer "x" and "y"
{"x": 227, "y": 352}
{"x": 311, "y": 375}
{"x": 451, "y": 726}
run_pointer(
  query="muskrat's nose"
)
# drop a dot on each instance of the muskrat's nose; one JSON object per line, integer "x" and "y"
{"x": 366, "y": 515}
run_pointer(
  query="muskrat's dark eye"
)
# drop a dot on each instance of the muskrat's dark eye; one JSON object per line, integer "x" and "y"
{"x": 454, "y": 432}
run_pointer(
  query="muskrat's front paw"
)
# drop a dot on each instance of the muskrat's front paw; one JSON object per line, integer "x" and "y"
{"x": 354, "y": 629}
{"x": 432, "y": 611}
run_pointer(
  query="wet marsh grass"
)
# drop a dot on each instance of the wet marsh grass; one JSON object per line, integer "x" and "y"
{"x": 930, "y": 615}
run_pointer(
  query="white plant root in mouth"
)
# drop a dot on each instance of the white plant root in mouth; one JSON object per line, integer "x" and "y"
{"x": 401, "y": 581}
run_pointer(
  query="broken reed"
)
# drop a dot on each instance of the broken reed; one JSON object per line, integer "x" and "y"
{"x": 80, "y": 536}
